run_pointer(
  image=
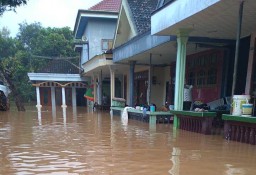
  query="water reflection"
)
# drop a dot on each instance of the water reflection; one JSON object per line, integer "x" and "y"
{"x": 39, "y": 115}
{"x": 175, "y": 158}
{"x": 231, "y": 170}
{"x": 54, "y": 113}
{"x": 74, "y": 114}
{"x": 64, "y": 113}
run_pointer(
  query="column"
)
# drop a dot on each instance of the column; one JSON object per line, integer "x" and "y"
{"x": 74, "y": 96}
{"x": 251, "y": 61}
{"x": 112, "y": 84}
{"x": 131, "y": 82}
{"x": 38, "y": 97}
{"x": 94, "y": 88}
{"x": 53, "y": 97}
{"x": 149, "y": 80}
{"x": 63, "y": 97}
{"x": 182, "y": 38}
{"x": 94, "y": 82}
{"x": 99, "y": 89}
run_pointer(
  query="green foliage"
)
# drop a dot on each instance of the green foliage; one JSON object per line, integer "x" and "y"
{"x": 30, "y": 51}
{"x": 10, "y": 5}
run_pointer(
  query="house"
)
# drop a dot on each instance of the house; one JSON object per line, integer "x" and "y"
{"x": 147, "y": 76}
{"x": 229, "y": 26}
{"x": 59, "y": 83}
{"x": 209, "y": 62}
{"x": 94, "y": 30}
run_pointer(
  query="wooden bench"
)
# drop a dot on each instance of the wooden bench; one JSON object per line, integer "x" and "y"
{"x": 200, "y": 122}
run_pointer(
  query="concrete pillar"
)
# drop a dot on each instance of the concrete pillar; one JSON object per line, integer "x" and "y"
{"x": 38, "y": 97}
{"x": 131, "y": 83}
{"x": 63, "y": 97}
{"x": 182, "y": 38}
{"x": 112, "y": 84}
{"x": 94, "y": 88}
{"x": 74, "y": 96}
{"x": 53, "y": 96}
{"x": 99, "y": 89}
{"x": 250, "y": 67}
{"x": 149, "y": 80}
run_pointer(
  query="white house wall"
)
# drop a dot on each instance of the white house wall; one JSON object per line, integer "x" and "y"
{"x": 85, "y": 54}
{"x": 96, "y": 31}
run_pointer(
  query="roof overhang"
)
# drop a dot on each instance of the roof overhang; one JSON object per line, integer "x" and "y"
{"x": 211, "y": 18}
{"x": 102, "y": 64}
{"x": 162, "y": 49}
{"x": 98, "y": 63}
{"x": 84, "y": 15}
{"x": 57, "y": 77}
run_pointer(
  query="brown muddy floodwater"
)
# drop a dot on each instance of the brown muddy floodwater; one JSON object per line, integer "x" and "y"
{"x": 91, "y": 143}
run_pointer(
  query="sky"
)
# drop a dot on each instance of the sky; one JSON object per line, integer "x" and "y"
{"x": 50, "y": 13}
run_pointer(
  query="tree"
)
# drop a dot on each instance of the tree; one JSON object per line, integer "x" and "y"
{"x": 27, "y": 53}
{"x": 8, "y": 67}
{"x": 7, "y": 5}
{"x": 46, "y": 42}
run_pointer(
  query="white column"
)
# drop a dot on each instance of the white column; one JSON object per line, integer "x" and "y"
{"x": 182, "y": 38}
{"x": 63, "y": 97}
{"x": 99, "y": 89}
{"x": 94, "y": 88}
{"x": 74, "y": 96}
{"x": 38, "y": 97}
{"x": 112, "y": 85}
{"x": 53, "y": 96}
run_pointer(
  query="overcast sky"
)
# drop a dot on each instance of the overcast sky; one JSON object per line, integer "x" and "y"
{"x": 50, "y": 13}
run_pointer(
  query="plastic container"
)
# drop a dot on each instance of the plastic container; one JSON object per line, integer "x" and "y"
{"x": 247, "y": 109}
{"x": 237, "y": 102}
{"x": 152, "y": 108}
{"x": 171, "y": 107}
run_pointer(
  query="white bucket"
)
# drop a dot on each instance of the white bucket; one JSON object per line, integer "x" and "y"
{"x": 237, "y": 102}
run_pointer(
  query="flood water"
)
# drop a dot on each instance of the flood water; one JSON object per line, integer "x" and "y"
{"x": 77, "y": 141}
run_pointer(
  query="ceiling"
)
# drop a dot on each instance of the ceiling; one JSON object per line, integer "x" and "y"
{"x": 219, "y": 20}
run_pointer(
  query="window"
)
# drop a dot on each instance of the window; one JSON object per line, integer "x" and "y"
{"x": 191, "y": 78}
{"x": 203, "y": 69}
{"x": 212, "y": 77}
{"x": 106, "y": 44}
{"x": 200, "y": 78}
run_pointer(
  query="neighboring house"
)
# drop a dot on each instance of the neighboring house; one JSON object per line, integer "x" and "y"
{"x": 94, "y": 31}
{"x": 227, "y": 67}
{"x": 190, "y": 42}
{"x": 154, "y": 53}
{"x": 132, "y": 45}
{"x": 59, "y": 83}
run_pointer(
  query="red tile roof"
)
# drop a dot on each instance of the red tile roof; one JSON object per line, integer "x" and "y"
{"x": 107, "y": 5}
